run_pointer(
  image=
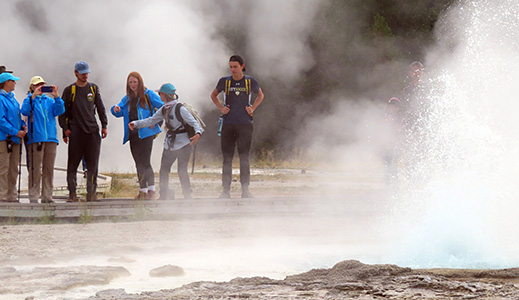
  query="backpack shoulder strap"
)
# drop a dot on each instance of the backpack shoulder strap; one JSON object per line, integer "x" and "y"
{"x": 227, "y": 86}
{"x": 247, "y": 85}
{"x": 93, "y": 89}
{"x": 72, "y": 93}
{"x": 177, "y": 113}
{"x": 148, "y": 102}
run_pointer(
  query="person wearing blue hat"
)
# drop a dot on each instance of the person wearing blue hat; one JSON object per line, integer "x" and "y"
{"x": 140, "y": 103}
{"x": 81, "y": 129}
{"x": 237, "y": 111}
{"x": 12, "y": 130}
{"x": 177, "y": 143}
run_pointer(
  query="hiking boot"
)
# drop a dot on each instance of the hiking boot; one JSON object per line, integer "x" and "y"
{"x": 91, "y": 197}
{"x": 246, "y": 194}
{"x": 72, "y": 198}
{"x": 46, "y": 201}
{"x": 151, "y": 195}
{"x": 225, "y": 194}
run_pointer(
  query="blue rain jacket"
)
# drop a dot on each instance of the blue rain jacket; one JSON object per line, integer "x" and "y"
{"x": 10, "y": 117}
{"x": 143, "y": 113}
{"x": 45, "y": 110}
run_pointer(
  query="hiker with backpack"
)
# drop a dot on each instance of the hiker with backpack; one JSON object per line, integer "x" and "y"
{"x": 41, "y": 112}
{"x": 81, "y": 130}
{"x": 140, "y": 103}
{"x": 236, "y": 131}
{"x": 184, "y": 130}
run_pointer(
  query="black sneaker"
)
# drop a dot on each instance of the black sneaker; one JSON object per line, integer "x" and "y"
{"x": 46, "y": 201}
{"x": 225, "y": 194}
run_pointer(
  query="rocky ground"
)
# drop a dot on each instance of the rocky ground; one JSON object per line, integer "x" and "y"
{"x": 268, "y": 256}
{"x": 349, "y": 279}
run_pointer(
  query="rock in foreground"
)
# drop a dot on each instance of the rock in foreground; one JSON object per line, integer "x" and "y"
{"x": 351, "y": 279}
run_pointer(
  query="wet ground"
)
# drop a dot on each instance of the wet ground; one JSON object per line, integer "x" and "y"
{"x": 247, "y": 254}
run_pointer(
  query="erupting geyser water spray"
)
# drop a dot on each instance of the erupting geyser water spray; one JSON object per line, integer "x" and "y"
{"x": 460, "y": 203}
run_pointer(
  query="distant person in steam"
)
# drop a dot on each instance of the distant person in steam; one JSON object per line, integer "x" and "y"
{"x": 177, "y": 142}
{"x": 140, "y": 103}
{"x": 410, "y": 106}
{"x": 392, "y": 139}
{"x": 81, "y": 129}
{"x": 41, "y": 112}
{"x": 237, "y": 111}
{"x": 12, "y": 131}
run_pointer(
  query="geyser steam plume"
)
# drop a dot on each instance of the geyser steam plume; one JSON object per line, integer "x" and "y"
{"x": 459, "y": 208}
{"x": 182, "y": 41}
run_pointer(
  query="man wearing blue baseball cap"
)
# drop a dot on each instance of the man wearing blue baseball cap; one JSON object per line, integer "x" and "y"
{"x": 81, "y": 129}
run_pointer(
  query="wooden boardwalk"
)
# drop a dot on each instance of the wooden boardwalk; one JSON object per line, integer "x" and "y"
{"x": 117, "y": 209}
{"x": 110, "y": 208}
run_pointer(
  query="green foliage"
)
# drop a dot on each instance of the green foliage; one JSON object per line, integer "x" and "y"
{"x": 85, "y": 215}
{"x": 380, "y": 26}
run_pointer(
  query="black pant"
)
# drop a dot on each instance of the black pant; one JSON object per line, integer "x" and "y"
{"x": 233, "y": 135}
{"x": 141, "y": 152}
{"x": 81, "y": 145}
{"x": 168, "y": 158}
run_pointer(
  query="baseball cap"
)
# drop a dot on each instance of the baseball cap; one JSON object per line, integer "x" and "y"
{"x": 36, "y": 79}
{"x": 168, "y": 88}
{"x": 7, "y": 76}
{"x": 4, "y": 70}
{"x": 82, "y": 67}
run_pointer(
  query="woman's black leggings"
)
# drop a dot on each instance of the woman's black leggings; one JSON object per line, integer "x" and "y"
{"x": 141, "y": 152}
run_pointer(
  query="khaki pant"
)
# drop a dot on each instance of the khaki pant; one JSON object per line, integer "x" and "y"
{"x": 9, "y": 162}
{"x": 41, "y": 164}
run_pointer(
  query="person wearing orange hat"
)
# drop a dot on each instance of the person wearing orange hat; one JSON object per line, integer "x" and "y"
{"x": 42, "y": 111}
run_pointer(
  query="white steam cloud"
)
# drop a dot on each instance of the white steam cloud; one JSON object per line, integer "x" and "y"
{"x": 458, "y": 204}
{"x": 166, "y": 41}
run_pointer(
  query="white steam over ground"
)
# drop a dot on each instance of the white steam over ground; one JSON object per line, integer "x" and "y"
{"x": 457, "y": 202}
{"x": 165, "y": 41}
{"x": 457, "y": 207}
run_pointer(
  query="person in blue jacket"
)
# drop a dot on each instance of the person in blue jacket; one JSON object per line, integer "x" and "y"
{"x": 140, "y": 103}
{"x": 42, "y": 111}
{"x": 12, "y": 130}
